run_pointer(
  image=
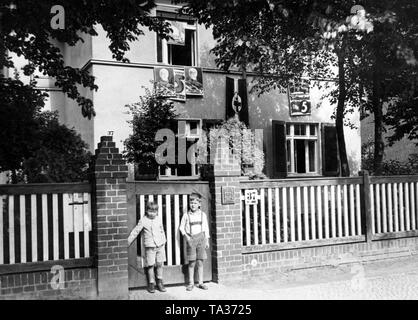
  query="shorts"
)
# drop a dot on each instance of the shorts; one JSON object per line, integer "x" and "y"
{"x": 154, "y": 255}
{"x": 195, "y": 248}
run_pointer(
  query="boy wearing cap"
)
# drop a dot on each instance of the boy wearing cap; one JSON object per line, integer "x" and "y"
{"x": 154, "y": 242}
{"x": 194, "y": 228}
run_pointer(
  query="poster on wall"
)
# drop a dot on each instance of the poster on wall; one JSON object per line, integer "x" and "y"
{"x": 194, "y": 81}
{"x": 164, "y": 81}
{"x": 179, "y": 85}
{"x": 299, "y": 99}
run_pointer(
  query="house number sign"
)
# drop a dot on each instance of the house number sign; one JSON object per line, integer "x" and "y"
{"x": 251, "y": 197}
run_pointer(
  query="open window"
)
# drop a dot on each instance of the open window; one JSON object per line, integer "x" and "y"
{"x": 304, "y": 149}
{"x": 182, "y": 50}
{"x": 188, "y": 133}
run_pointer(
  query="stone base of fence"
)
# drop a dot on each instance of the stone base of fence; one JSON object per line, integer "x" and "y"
{"x": 76, "y": 284}
{"x": 265, "y": 264}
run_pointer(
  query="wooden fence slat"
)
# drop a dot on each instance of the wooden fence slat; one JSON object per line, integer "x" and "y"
{"x": 270, "y": 214}
{"x": 45, "y": 226}
{"x": 276, "y": 198}
{"x": 11, "y": 230}
{"x": 408, "y": 220}
{"x": 292, "y": 215}
{"x": 176, "y": 228}
{"x": 395, "y": 206}
{"x": 284, "y": 207}
{"x": 372, "y": 211}
{"x": 390, "y": 208}
{"x": 255, "y": 224}
{"x": 34, "y": 227}
{"x": 68, "y": 222}
{"x": 313, "y": 220}
{"x": 78, "y": 224}
{"x": 87, "y": 223}
{"x": 416, "y": 203}
{"x": 168, "y": 228}
{"x": 339, "y": 212}
{"x": 1, "y": 229}
{"x": 262, "y": 216}
{"x": 141, "y": 206}
{"x": 378, "y": 213}
{"x": 306, "y": 212}
{"x": 333, "y": 214}
{"x": 358, "y": 210}
{"x": 160, "y": 208}
{"x": 413, "y": 212}
{"x": 55, "y": 231}
{"x": 326, "y": 212}
{"x": 299, "y": 213}
{"x": 352, "y": 216}
{"x": 247, "y": 224}
{"x": 384, "y": 210}
{"x": 22, "y": 229}
{"x": 319, "y": 202}
{"x": 401, "y": 208}
{"x": 345, "y": 204}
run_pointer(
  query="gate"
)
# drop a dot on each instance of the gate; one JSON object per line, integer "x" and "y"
{"x": 172, "y": 198}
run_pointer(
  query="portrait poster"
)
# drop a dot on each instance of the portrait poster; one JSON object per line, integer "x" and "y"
{"x": 164, "y": 81}
{"x": 194, "y": 81}
{"x": 299, "y": 98}
{"x": 179, "y": 85}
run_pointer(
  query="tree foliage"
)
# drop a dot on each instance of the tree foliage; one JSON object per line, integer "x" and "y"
{"x": 26, "y": 31}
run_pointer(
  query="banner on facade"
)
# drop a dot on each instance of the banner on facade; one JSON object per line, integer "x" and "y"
{"x": 179, "y": 33}
{"x": 164, "y": 81}
{"x": 236, "y": 99}
{"x": 299, "y": 98}
{"x": 194, "y": 81}
{"x": 179, "y": 85}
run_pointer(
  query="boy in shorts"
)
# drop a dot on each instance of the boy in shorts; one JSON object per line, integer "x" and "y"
{"x": 154, "y": 242}
{"x": 194, "y": 227}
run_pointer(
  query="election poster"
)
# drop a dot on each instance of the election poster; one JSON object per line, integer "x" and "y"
{"x": 194, "y": 81}
{"x": 299, "y": 99}
{"x": 164, "y": 81}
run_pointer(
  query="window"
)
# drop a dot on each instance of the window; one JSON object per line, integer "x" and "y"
{"x": 302, "y": 147}
{"x": 189, "y": 132}
{"x": 183, "y": 50}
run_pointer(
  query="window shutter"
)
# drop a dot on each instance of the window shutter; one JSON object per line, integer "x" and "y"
{"x": 229, "y": 94}
{"x": 242, "y": 91}
{"x": 330, "y": 158}
{"x": 279, "y": 149}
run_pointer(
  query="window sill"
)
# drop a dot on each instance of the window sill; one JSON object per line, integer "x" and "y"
{"x": 165, "y": 178}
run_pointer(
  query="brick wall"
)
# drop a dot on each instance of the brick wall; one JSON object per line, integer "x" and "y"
{"x": 77, "y": 284}
{"x": 226, "y": 218}
{"x": 268, "y": 263}
{"x": 110, "y": 224}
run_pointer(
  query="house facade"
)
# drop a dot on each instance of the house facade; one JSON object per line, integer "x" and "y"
{"x": 298, "y": 144}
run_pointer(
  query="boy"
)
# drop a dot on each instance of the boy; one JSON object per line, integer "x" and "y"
{"x": 154, "y": 242}
{"x": 194, "y": 227}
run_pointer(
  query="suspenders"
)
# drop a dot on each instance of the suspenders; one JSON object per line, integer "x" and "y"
{"x": 196, "y": 222}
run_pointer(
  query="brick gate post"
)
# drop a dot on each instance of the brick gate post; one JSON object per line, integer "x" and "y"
{"x": 110, "y": 221}
{"x": 226, "y": 226}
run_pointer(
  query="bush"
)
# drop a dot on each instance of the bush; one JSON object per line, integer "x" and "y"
{"x": 389, "y": 167}
{"x": 243, "y": 145}
{"x": 151, "y": 113}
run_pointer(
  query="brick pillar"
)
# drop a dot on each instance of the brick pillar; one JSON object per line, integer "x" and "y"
{"x": 110, "y": 222}
{"x": 226, "y": 226}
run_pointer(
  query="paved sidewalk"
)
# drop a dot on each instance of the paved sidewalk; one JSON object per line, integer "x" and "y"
{"x": 385, "y": 279}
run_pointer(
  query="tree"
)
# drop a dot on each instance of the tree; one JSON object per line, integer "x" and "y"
{"x": 25, "y": 29}
{"x": 151, "y": 113}
{"x": 52, "y": 162}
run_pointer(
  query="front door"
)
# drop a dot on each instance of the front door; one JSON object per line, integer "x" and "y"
{"x": 172, "y": 200}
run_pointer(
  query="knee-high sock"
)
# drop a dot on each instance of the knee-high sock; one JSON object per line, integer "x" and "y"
{"x": 191, "y": 271}
{"x": 200, "y": 270}
{"x": 151, "y": 276}
{"x": 159, "y": 271}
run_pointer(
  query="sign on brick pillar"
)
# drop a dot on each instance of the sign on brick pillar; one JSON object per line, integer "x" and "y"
{"x": 226, "y": 221}
{"x": 110, "y": 223}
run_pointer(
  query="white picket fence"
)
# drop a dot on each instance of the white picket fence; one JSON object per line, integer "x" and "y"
{"x": 302, "y": 210}
{"x": 37, "y": 222}
{"x": 394, "y": 205}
